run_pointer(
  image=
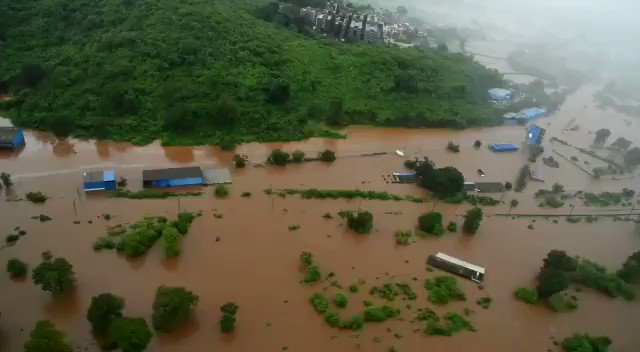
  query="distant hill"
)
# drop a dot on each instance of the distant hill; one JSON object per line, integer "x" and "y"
{"x": 210, "y": 72}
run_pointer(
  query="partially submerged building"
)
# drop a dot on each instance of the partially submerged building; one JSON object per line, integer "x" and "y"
{"x": 180, "y": 176}
{"x": 216, "y": 176}
{"x": 489, "y": 187}
{"x": 503, "y": 147}
{"x": 457, "y": 266}
{"x": 99, "y": 180}
{"x": 499, "y": 95}
{"x": 11, "y": 137}
{"x": 402, "y": 177}
{"x": 531, "y": 114}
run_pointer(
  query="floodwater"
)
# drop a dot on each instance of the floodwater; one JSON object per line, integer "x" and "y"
{"x": 251, "y": 258}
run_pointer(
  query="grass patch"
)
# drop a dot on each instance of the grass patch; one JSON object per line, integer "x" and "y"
{"x": 337, "y": 194}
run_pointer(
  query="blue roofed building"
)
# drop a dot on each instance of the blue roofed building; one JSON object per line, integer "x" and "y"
{"x": 499, "y": 95}
{"x": 11, "y": 137}
{"x": 99, "y": 180}
{"x": 531, "y": 113}
{"x": 504, "y": 147}
{"x": 180, "y": 176}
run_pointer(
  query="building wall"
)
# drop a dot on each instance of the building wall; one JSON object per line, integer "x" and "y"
{"x": 19, "y": 140}
{"x": 106, "y": 185}
{"x": 175, "y": 182}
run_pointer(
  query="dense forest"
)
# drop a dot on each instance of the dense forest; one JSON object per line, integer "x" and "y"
{"x": 213, "y": 72}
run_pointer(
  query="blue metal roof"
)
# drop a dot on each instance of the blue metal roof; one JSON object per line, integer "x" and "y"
{"x": 504, "y": 147}
{"x": 531, "y": 113}
{"x": 109, "y": 175}
{"x": 535, "y": 134}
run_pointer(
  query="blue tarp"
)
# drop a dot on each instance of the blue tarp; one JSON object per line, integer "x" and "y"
{"x": 499, "y": 94}
{"x": 505, "y": 147}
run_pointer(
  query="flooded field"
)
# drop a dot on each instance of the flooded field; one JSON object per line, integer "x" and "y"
{"x": 250, "y": 257}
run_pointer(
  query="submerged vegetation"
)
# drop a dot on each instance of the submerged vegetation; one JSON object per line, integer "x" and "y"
{"x": 46, "y": 337}
{"x": 313, "y": 193}
{"x": 313, "y": 274}
{"x": 443, "y": 289}
{"x": 228, "y": 319}
{"x": 172, "y": 307}
{"x": 136, "y": 239}
{"x": 17, "y": 268}
{"x": 54, "y": 275}
{"x": 36, "y": 197}
{"x": 586, "y": 343}
{"x": 403, "y": 237}
{"x": 360, "y": 221}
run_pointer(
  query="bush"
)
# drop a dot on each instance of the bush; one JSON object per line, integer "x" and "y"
{"x": 104, "y": 310}
{"x": 172, "y": 307}
{"x": 245, "y": 195}
{"x": 407, "y": 291}
{"x": 17, "y": 268}
{"x": 484, "y": 302}
{"x": 561, "y": 303}
{"x": 477, "y": 143}
{"x": 140, "y": 237}
{"x": 442, "y": 289}
{"x": 228, "y": 320}
{"x": 319, "y": 302}
{"x": 453, "y": 147}
{"x": 6, "y": 179}
{"x": 327, "y": 156}
{"x": 55, "y": 275}
{"x": 103, "y": 243}
{"x": 361, "y": 222}
{"x": 36, "y": 197}
{"x": 527, "y": 295}
{"x": 340, "y": 300}
{"x": 130, "y": 334}
{"x": 297, "y": 156}
{"x": 586, "y": 343}
{"x": 170, "y": 242}
{"x": 354, "y": 288}
{"x": 438, "y": 230}
{"x": 313, "y": 274}
{"x": 183, "y": 223}
{"x": 472, "y": 220}
{"x": 379, "y": 314}
{"x": 553, "y": 202}
{"x": 387, "y": 291}
{"x": 46, "y": 338}
{"x": 403, "y": 237}
{"x": 630, "y": 271}
{"x": 552, "y": 281}
{"x": 239, "y": 161}
{"x": 278, "y": 157}
{"x": 221, "y": 191}
{"x": 429, "y": 221}
{"x": 443, "y": 182}
{"x": 452, "y": 226}
{"x": 508, "y": 186}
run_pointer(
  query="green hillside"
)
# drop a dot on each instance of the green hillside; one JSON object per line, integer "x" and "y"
{"x": 210, "y": 72}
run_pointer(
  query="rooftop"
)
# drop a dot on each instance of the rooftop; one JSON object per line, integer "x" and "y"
{"x": 171, "y": 173}
{"x": 99, "y": 176}
{"x": 8, "y": 134}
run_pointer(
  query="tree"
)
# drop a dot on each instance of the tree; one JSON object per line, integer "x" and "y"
{"x": 402, "y": 11}
{"x": 61, "y": 124}
{"x": 508, "y": 186}
{"x": 297, "y": 156}
{"x": 228, "y": 320}
{"x": 621, "y": 144}
{"x": 632, "y": 157}
{"x": 46, "y": 338}
{"x": 327, "y": 156}
{"x": 32, "y": 74}
{"x": 226, "y": 112}
{"x": 559, "y": 260}
{"x": 17, "y": 268}
{"x": 514, "y": 203}
{"x": 6, "y": 179}
{"x": 239, "y": 161}
{"x": 340, "y": 300}
{"x": 477, "y": 143}
{"x": 472, "y": 220}
{"x": 278, "y": 157}
{"x": 630, "y": 271}
{"x": 602, "y": 135}
{"x": 278, "y": 92}
{"x": 104, "y": 310}
{"x": 172, "y": 307}
{"x": 586, "y": 343}
{"x": 429, "y": 221}
{"x": 170, "y": 242}
{"x": 130, "y": 334}
{"x": 335, "y": 115}
{"x": 54, "y": 275}
{"x": 362, "y": 222}
{"x": 552, "y": 281}
{"x": 444, "y": 182}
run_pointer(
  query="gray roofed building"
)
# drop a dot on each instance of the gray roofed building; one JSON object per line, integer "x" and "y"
{"x": 171, "y": 173}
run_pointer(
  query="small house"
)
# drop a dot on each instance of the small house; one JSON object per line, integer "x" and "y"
{"x": 99, "y": 180}
{"x": 457, "y": 266}
{"x": 530, "y": 114}
{"x": 469, "y": 186}
{"x": 179, "y": 176}
{"x": 503, "y": 147}
{"x": 11, "y": 137}
{"x": 402, "y": 177}
{"x": 499, "y": 95}
{"x": 490, "y": 187}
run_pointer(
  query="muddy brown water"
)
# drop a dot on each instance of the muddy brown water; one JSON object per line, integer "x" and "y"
{"x": 255, "y": 261}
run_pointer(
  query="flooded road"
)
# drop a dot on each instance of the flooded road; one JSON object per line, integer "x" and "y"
{"x": 255, "y": 261}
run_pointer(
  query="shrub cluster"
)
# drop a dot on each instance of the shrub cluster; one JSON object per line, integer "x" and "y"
{"x": 443, "y": 289}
